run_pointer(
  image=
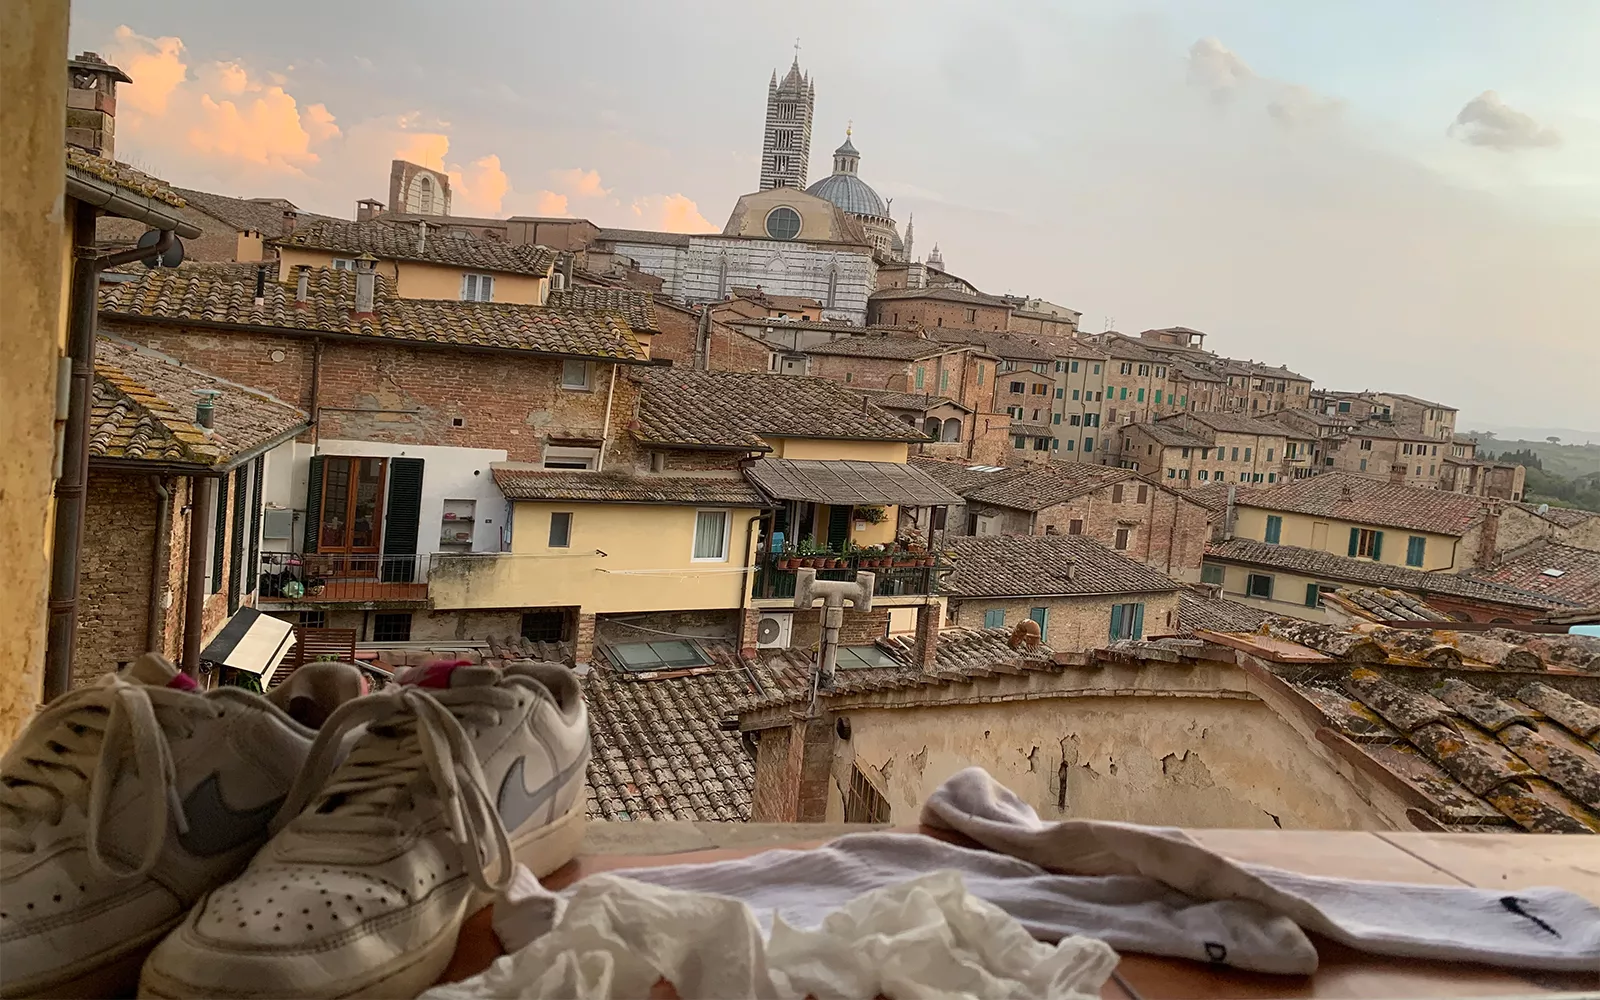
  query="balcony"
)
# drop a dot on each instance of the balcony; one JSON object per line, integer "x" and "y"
{"x": 900, "y": 574}
{"x": 342, "y": 578}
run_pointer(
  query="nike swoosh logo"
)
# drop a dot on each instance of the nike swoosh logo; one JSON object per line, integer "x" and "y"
{"x": 516, "y": 804}
{"x": 214, "y": 828}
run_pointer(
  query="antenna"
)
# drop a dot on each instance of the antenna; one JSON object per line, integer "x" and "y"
{"x": 1110, "y": 321}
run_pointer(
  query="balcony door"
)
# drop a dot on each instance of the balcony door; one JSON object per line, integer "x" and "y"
{"x": 350, "y": 518}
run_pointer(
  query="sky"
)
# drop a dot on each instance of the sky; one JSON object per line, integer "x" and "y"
{"x": 1378, "y": 195}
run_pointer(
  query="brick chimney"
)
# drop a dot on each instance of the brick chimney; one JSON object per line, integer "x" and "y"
{"x": 92, "y": 103}
{"x": 1489, "y": 535}
{"x": 925, "y": 646}
{"x": 1397, "y": 473}
{"x": 368, "y": 209}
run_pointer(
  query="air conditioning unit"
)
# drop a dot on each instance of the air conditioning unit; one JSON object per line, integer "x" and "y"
{"x": 772, "y": 632}
{"x": 277, "y": 522}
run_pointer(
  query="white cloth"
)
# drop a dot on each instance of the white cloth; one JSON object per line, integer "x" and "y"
{"x": 615, "y": 937}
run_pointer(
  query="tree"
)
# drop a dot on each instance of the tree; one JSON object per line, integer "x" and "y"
{"x": 1553, "y": 439}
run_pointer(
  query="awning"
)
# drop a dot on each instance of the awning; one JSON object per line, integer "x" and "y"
{"x": 845, "y": 482}
{"x": 250, "y": 641}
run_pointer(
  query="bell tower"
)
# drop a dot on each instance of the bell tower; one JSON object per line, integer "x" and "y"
{"x": 786, "y": 144}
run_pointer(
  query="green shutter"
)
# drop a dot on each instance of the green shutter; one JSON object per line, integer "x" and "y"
{"x": 1141, "y": 395}
{"x": 995, "y": 618}
{"x": 1274, "y": 528}
{"x": 241, "y": 501}
{"x": 219, "y": 535}
{"x": 402, "y": 519}
{"x": 1355, "y": 540}
{"x": 1138, "y": 621}
{"x": 1416, "y": 549}
{"x": 254, "y": 565}
{"x": 921, "y": 373}
{"x": 314, "y": 503}
{"x": 1116, "y": 622}
{"x": 1041, "y": 616}
{"x": 1158, "y": 395}
{"x": 1377, "y": 546}
{"x": 838, "y": 527}
{"x": 1313, "y": 595}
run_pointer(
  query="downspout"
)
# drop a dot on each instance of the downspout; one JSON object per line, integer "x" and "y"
{"x": 1172, "y": 528}
{"x": 316, "y": 383}
{"x": 71, "y": 489}
{"x": 155, "y": 610}
{"x": 194, "y": 585}
{"x": 605, "y": 432}
{"x": 748, "y": 587}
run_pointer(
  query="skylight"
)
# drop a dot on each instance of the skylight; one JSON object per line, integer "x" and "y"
{"x": 1552, "y": 571}
{"x": 854, "y": 657}
{"x": 667, "y": 654}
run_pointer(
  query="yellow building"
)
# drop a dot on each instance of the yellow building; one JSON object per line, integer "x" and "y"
{"x": 422, "y": 262}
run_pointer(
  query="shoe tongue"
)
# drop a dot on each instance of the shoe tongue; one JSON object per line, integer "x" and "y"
{"x": 451, "y": 674}
{"x": 157, "y": 671}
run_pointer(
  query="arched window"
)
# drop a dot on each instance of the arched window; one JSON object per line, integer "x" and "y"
{"x": 425, "y": 196}
{"x": 833, "y": 285}
{"x": 930, "y": 427}
{"x": 722, "y": 276}
{"x": 952, "y": 430}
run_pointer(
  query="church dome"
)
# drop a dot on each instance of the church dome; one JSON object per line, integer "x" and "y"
{"x": 850, "y": 193}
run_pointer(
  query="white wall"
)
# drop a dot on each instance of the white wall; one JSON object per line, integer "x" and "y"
{"x": 694, "y": 274}
{"x": 447, "y": 474}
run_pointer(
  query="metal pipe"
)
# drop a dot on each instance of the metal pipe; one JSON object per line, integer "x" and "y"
{"x": 316, "y": 382}
{"x": 155, "y": 611}
{"x": 201, "y": 489}
{"x": 605, "y": 434}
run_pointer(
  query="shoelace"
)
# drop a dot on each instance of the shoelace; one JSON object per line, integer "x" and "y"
{"x": 78, "y": 742}
{"x": 410, "y": 735}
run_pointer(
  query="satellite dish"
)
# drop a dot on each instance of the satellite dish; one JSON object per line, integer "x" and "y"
{"x": 1544, "y": 508}
{"x": 171, "y": 258}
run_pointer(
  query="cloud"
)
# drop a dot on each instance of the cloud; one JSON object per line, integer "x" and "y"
{"x": 480, "y": 188}
{"x": 579, "y": 183}
{"x": 1218, "y": 68}
{"x": 1486, "y": 120}
{"x": 550, "y": 204}
{"x": 672, "y": 213}
{"x": 1299, "y": 105}
{"x": 155, "y": 64}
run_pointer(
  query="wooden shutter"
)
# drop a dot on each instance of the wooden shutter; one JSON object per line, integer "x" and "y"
{"x": 314, "y": 503}
{"x": 1313, "y": 595}
{"x": 402, "y": 519}
{"x": 1116, "y": 621}
{"x": 254, "y": 564}
{"x": 1138, "y": 621}
{"x": 1377, "y": 546}
{"x": 1355, "y": 540}
{"x": 838, "y": 527}
{"x": 219, "y": 533}
{"x": 241, "y": 509}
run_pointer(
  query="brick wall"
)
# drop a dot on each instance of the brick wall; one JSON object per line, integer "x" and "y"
{"x": 114, "y": 585}
{"x": 1165, "y": 532}
{"x": 1072, "y": 624}
{"x": 729, "y": 350}
{"x": 775, "y": 797}
{"x": 958, "y": 315}
{"x": 860, "y": 628}
{"x": 868, "y": 373}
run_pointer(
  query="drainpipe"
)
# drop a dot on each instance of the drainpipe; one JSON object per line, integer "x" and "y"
{"x": 154, "y": 612}
{"x": 316, "y": 382}
{"x": 67, "y": 543}
{"x": 201, "y": 489}
{"x": 605, "y": 432}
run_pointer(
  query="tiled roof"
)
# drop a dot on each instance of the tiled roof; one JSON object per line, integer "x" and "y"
{"x": 688, "y": 408}
{"x": 1214, "y": 496}
{"x": 872, "y": 345}
{"x": 394, "y": 241}
{"x": 144, "y": 408}
{"x": 919, "y": 401}
{"x": 1045, "y": 566}
{"x": 1192, "y": 372}
{"x": 1126, "y": 348}
{"x": 636, "y": 306}
{"x": 935, "y": 292}
{"x": 1343, "y": 569}
{"x": 1366, "y": 501}
{"x": 1227, "y": 423}
{"x": 1381, "y": 604}
{"x": 1562, "y": 571}
{"x": 240, "y": 213}
{"x": 1036, "y": 487}
{"x": 519, "y": 481}
{"x": 1565, "y": 517}
{"x": 1010, "y": 346}
{"x": 963, "y": 478}
{"x": 1491, "y": 731}
{"x": 1173, "y": 435}
{"x": 225, "y": 294}
{"x": 848, "y": 482}
{"x": 839, "y": 327}
{"x": 1198, "y": 609}
{"x": 122, "y": 175}
{"x": 1418, "y": 400}
{"x": 644, "y": 236}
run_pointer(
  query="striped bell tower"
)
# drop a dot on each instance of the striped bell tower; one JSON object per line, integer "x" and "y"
{"x": 786, "y": 145}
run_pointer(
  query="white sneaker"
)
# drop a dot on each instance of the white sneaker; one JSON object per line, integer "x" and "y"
{"x": 363, "y": 893}
{"x": 121, "y": 804}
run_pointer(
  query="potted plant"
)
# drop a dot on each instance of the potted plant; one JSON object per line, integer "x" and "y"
{"x": 871, "y": 515}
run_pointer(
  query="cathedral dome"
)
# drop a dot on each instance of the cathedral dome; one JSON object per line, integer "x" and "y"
{"x": 850, "y": 193}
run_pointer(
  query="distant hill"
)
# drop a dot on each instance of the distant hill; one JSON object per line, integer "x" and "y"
{"x": 1560, "y": 474}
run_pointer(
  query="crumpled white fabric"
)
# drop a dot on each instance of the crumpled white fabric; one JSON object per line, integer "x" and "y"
{"x": 927, "y": 937}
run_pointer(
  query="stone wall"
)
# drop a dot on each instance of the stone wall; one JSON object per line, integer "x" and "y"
{"x": 1165, "y": 532}
{"x": 1072, "y": 624}
{"x": 114, "y": 584}
{"x": 938, "y": 313}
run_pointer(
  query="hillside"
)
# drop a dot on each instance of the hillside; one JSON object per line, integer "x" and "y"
{"x": 1563, "y": 475}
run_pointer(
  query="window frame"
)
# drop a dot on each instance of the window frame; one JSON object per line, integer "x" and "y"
{"x": 994, "y": 618}
{"x": 725, "y": 541}
{"x": 476, "y": 282}
{"x": 587, "y": 383}
{"x": 564, "y": 518}
{"x": 381, "y": 619}
{"x": 1250, "y": 585}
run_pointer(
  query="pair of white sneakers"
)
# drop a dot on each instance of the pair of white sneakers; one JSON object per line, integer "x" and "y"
{"x": 211, "y": 845}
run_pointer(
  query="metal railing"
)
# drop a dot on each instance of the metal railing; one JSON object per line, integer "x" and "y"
{"x": 895, "y": 575}
{"x": 321, "y": 578}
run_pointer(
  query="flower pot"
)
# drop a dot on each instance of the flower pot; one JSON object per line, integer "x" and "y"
{"x": 783, "y": 563}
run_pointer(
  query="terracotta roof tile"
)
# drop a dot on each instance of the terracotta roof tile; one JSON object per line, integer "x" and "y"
{"x": 1198, "y": 610}
{"x": 636, "y": 306}
{"x": 1367, "y": 501}
{"x": 529, "y": 482}
{"x": 390, "y": 240}
{"x": 144, "y": 409}
{"x": 1549, "y": 568}
{"x": 736, "y": 410}
{"x": 1382, "y": 604}
{"x": 1045, "y": 565}
{"x": 225, "y": 294}
{"x": 123, "y": 176}
{"x": 891, "y": 400}
{"x": 1010, "y": 346}
{"x": 848, "y": 482}
{"x": 1036, "y": 487}
{"x": 1566, "y": 517}
{"x": 941, "y": 293}
{"x": 872, "y": 345}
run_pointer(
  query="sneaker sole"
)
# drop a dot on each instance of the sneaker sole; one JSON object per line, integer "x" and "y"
{"x": 543, "y": 849}
{"x": 113, "y": 977}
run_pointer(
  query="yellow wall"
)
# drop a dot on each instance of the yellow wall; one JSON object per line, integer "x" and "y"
{"x": 650, "y": 537}
{"x": 35, "y": 256}
{"x": 872, "y": 534}
{"x": 424, "y": 281}
{"x": 1302, "y": 530}
{"x": 1288, "y": 590}
{"x": 823, "y": 450}
{"x": 250, "y": 247}
{"x": 816, "y": 214}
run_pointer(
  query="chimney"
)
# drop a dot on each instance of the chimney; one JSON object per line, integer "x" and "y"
{"x": 290, "y": 217}
{"x": 368, "y": 209}
{"x": 558, "y": 282}
{"x": 205, "y": 409}
{"x": 1228, "y": 512}
{"x": 1489, "y": 535}
{"x": 1397, "y": 473}
{"x": 92, "y": 103}
{"x": 261, "y": 285}
{"x": 366, "y": 284}
{"x": 422, "y": 237}
{"x": 1345, "y": 492}
{"x": 925, "y": 648}
{"x": 302, "y": 287}
{"x": 566, "y": 269}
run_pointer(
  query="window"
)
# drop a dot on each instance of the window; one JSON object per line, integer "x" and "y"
{"x": 344, "y": 264}
{"x": 711, "y": 536}
{"x": 1075, "y": 526}
{"x": 1272, "y": 477}
{"x": 1075, "y": 393}
{"x": 1172, "y": 473}
{"x": 1055, "y": 418}
{"x": 1018, "y": 441}
{"x": 544, "y": 626}
{"x": 1247, "y": 454}
{"x": 1127, "y": 621}
{"x": 1406, "y": 448}
{"x": 1366, "y": 444}
{"x": 865, "y": 804}
{"x": 1126, "y": 369}
{"x": 1097, "y": 369}
{"x": 1269, "y": 454}
{"x": 391, "y": 626}
{"x": 1259, "y": 585}
{"x": 994, "y": 618}
{"x": 921, "y": 375}
{"x": 574, "y": 374}
{"x": 350, "y": 504}
{"x": 1074, "y": 367}
{"x": 1184, "y": 452}
{"x": 944, "y": 379}
{"x": 1211, "y": 573}
{"x": 1124, "y": 393}
{"x": 560, "y": 529}
{"x": 1416, "y": 550}
{"x": 1041, "y": 444}
{"x": 783, "y": 223}
{"x": 560, "y": 457}
{"x": 1069, "y": 444}
{"x": 1116, "y": 493}
{"x": 980, "y": 375}
{"x": 1202, "y": 475}
{"x": 1314, "y": 592}
{"x": 477, "y": 288}
{"x": 663, "y": 655}
{"x": 1363, "y": 464}
{"x": 1141, "y": 395}
{"x": 1366, "y": 543}
{"x": 1088, "y": 444}
{"x": 972, "y": 315}
{"x": 1158, "y": 395}
{"x": 1274, "y": 529}
{"x": 313, "y": 619}
{"x": 1019, "y": 388}
{"x": 1121, "y": 541}
{"x": 1040, "y": 390}
{"x": 1235, "y": 455}
{"x": 1041, "y": 616}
